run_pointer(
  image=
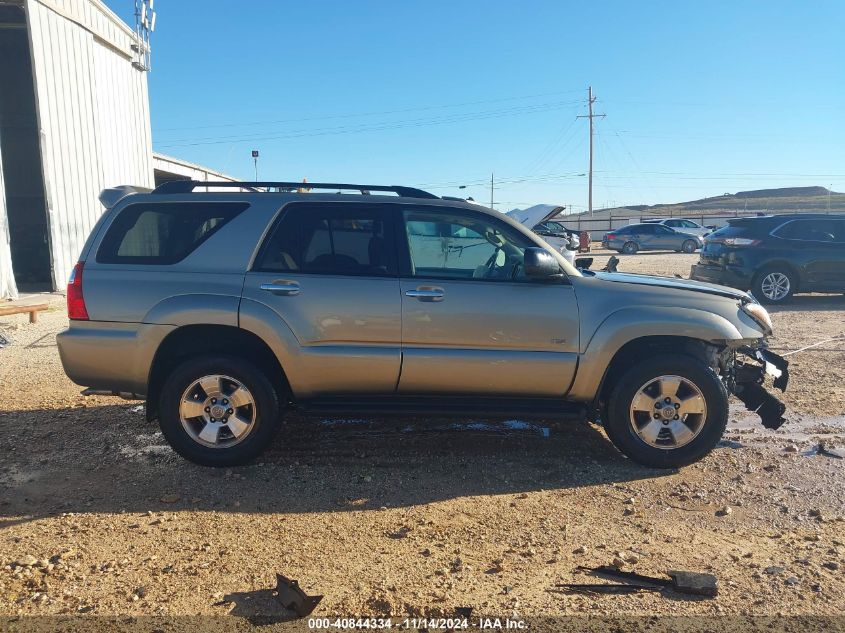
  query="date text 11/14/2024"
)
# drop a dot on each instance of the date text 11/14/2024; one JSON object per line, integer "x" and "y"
{"x": 447, "y": 624}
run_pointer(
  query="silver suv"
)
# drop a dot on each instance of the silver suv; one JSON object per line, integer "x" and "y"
{"x": 226, "y": 309}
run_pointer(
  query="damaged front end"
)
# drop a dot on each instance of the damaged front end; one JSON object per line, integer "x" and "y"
{"x": 745, "y": 377}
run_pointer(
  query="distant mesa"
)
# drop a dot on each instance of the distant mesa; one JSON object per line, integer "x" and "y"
{"x": 777, "y": 200}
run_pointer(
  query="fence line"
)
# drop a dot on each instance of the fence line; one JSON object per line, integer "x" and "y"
{"x": 599, "y": 226}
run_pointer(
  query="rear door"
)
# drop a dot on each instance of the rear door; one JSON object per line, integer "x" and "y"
{"x": 817, "y": 245}
{"x": 471, "y": 322}
{"x": 328, "y": 272}
{"x": 646, "y": 236}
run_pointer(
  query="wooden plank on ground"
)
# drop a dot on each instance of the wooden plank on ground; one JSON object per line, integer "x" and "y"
{"x": 32, "y": 308}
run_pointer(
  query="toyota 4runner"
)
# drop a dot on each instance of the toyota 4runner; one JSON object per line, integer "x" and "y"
{"x": 225, "y": 309}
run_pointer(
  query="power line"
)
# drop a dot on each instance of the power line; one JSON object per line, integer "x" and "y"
{"x": 499, "y": 181}
{"x": 366, "y": 114}
{"x": 370, "y": 127}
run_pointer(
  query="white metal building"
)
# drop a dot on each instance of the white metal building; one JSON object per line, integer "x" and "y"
{"x": 74, "y": 119}
{"x": 167, "y": 168}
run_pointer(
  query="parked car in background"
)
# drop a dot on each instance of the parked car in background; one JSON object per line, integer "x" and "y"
{"x": 227, "y": 312}
{"x": 578, "y": 241}
{"x": 776, "y": 256}
{"x": 538, "y": 219}
{"x": 650, "y": 237}
{"x": 683, "y": 225}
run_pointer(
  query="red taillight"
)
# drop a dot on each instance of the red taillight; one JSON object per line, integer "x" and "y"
{"x": 75, "y": 301}
{"x": 610, "y": 236}
{"x": 740, "y": 241}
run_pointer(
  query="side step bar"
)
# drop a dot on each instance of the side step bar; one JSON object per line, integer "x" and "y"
{"x": 126, "y": 395}
{"x": 440, "y": 407}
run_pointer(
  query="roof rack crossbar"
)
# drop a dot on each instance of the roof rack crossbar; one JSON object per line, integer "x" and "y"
{"x": 187, "y": 186}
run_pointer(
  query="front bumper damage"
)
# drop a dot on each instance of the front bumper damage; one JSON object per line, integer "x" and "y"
{"x": 745, "y": 381}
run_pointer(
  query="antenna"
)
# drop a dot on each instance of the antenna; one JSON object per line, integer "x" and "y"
{"x": 145, "y": 24}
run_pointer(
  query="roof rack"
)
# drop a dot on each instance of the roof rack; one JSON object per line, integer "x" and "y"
{"x": 187, "y": 186}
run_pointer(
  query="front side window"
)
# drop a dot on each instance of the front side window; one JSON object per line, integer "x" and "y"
{"x": 163, "y": 233}
{"x": 463, "y": 246}
{"x": 329, "y": 239}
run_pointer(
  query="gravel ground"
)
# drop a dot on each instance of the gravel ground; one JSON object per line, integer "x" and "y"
{"x": 98, "y": 516}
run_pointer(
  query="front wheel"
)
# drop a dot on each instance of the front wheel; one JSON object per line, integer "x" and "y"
{"x": 689, "y": 246}
{"x": 218, "y": 411}
{"x": 667, "y": 412}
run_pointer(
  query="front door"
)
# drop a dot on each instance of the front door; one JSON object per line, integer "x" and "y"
{"x": 665, "y": 238}
{"x": 328, "y": 274}
{"x": 471, "y": 322}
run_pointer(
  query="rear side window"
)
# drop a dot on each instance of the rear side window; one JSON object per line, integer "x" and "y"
{"x": 331, "y": 240}
{"x": 825, "y": 230}
{"x": 163, "y": 233}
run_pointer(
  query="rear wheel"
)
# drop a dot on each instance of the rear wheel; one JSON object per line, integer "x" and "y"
{"x": 774, "y": 285}
{"x": 667, "y": 412}
{"x": 689, "y": 246}
{"x": 218, "y": 411}
{"x": 630, "y": 248}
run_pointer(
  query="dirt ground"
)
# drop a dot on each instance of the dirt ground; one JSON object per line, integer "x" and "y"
{"x": 98, "y": 516}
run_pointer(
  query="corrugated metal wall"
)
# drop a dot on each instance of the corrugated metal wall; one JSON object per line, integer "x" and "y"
{"x": 93, "y": 112}
{"x": 8, "y": 290}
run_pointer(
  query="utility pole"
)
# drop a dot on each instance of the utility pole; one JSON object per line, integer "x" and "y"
{"x": 590, "y": 101}
{"x": 491, "y": 190}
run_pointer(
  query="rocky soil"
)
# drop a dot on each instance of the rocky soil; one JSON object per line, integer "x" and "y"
{"x": 416, "y": 517}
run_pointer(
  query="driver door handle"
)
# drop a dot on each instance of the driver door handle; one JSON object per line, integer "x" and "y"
{"x": 426, "y": 293}
{"x": 284, "y": 288}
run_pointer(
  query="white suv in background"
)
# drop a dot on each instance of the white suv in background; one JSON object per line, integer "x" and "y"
{"x": 684, "y": 226}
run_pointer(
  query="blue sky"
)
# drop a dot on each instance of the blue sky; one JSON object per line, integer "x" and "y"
{"x": 701, "y": 98}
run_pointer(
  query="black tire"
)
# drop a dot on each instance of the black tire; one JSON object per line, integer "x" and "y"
{"x": 630, "y": 248}
{"x": 689, "y": 246}
{"x": 765, "y": 275}
{"x": 620, "y": 429}
{"x": 267, "y": 415}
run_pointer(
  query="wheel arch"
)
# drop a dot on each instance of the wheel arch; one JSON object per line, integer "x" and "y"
{"x": 646, "y": 330}
{"x": 190, "y": 341}
{"x": 646, "y": 346}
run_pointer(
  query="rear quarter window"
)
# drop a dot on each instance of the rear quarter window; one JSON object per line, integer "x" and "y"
{"x": 163, "y": 233}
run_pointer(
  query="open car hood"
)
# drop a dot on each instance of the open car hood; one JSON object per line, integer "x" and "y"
{"x": 680, "y": 284}
{"x": 532, "y": 216}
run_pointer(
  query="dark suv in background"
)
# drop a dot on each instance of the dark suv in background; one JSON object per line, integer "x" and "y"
{"x": 776, "y": 256}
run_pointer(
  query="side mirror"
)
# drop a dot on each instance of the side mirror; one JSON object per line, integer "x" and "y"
{"x": 540, "y": 264}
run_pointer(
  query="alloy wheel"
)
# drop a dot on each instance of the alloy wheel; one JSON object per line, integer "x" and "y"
{"x": 775, "y": 286}
{"x": 668, "y": 412}
{"x": 217, "y": 411}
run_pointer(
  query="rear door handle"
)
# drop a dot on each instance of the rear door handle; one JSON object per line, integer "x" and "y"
{"x": 283, "y": 288}
{"x": 426, "y": 294}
